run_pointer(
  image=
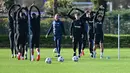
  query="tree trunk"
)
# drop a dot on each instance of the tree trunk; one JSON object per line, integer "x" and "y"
{"x": 55, "y": 7}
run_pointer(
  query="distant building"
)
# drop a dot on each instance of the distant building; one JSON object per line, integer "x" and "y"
{"x": 83, "y": 5}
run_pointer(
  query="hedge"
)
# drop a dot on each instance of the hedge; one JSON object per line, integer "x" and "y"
{"x": 110, "y": 41}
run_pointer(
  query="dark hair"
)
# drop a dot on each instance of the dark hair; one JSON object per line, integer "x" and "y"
{"x": 99, "y": 15}
{"x": 33, "y": 13}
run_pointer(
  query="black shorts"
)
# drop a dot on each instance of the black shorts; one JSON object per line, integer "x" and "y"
{"x": 35, "y": 41}
{"x": 99, "y": 38}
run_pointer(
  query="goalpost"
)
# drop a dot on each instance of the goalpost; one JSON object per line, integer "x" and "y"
{"x": 118, "y": 36}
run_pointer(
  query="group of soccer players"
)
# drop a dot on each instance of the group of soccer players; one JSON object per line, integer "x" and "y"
{"x": 87, "y": 25}
{"x": 19, "y": 33}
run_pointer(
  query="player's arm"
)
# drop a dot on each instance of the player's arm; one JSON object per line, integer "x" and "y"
{"x": 39, "y": 14}
{"x": 9, "y": 13}
{"x": 104, "y": 11}
{"x": 30, "y": 10}
{"x": 50, "y": 30}
{"x": 69, "y": 14}
{"x": 18, "y": 14}
{"x": 79, "y": 10}
{"x": 71, "y": 29}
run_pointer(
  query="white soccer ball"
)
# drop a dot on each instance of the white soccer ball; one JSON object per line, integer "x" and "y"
{"x": 48, "y": 60}
{"x": 55, "y": 50}
{"x": 60, "y": 59}
{"x": 75, "y": 58}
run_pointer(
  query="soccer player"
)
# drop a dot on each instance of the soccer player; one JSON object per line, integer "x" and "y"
{"x": 77, "y": 29}
{"x": 84, "y": 39}
{"x": 12, "y": 22}
{"x": 22, "y": 31}
{"x": 35, "y": 28}
{"x": 58, "y": 30}
{"x": 98, "y": 31}
{"x": 89, "y": 16}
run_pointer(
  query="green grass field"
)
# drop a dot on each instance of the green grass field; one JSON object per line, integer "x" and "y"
{"x": 85, "y": 64}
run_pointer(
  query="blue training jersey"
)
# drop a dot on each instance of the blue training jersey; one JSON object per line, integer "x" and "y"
{"x": 57, "y": 27}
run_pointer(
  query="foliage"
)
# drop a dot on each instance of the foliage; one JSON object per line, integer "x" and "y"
{"x": 110, "y": 41}
{"x": 8, "y": 3}
{"x": 65, "y": 5}
{"x": 111, "y": 21}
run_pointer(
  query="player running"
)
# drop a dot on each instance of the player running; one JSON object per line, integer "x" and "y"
{"x": 58, "y": 30}
{"x": 35, "y": 28}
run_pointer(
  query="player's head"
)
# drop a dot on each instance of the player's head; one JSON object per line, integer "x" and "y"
{"x": 99, "y": 17}
{"x": 76, "y": 15}
{"x": 56, "y": 17}
{"x": 34, "y": 15}
{"x": 87, "y": 13}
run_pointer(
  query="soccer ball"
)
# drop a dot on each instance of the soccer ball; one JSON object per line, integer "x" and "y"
{"x": 75, "y": 58}
{"x": 55, "y": 50}
{"x": 48, "y": 60}
{"x": 60, "y": 59}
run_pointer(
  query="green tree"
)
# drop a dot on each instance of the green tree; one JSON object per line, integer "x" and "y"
{"x": 8, "y": 3}
{"x": 97, "y": 3}
{"x": 52, "y": 7}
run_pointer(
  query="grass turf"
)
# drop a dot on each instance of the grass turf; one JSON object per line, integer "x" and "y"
{"x": 85, "y": 64}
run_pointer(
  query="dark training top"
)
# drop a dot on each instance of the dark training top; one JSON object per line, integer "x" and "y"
{"x": 58, "y": 28}
{"x": 89, "y": 20}
{"x": 35, "y": 22}
{"x": 98, "y": 25}
{"x": 22, "y": 23}
{"x": 12, "y": 19}
{"x": 77, "y": 28}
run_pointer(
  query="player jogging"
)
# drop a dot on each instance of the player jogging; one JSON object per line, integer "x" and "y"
{"x": 58, "y": 30}
{"x": 77, "y": 29}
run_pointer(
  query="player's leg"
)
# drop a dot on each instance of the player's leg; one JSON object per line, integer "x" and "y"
{"x": 23, "y": 50}
{"x": 97, "y": 40}
{"x": 91, "y": 43}
{"x": 32, "y": 48}
{"x": 26, "y": 51}
{"x": 23, "y": 46}
{"x": 80, "y": 46}
{"x": 18, "y": 46}
{"x": 101, "y": 46}
{"x": 58, "y": 46}
{"x": 84, "y": 43}
{"x": 37, "y": 47}
{"x": 15, "y": 44}
{"x": 75, "y": 42}
{"x": 11, "y": 43}
{"x": 26, "y": 47}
